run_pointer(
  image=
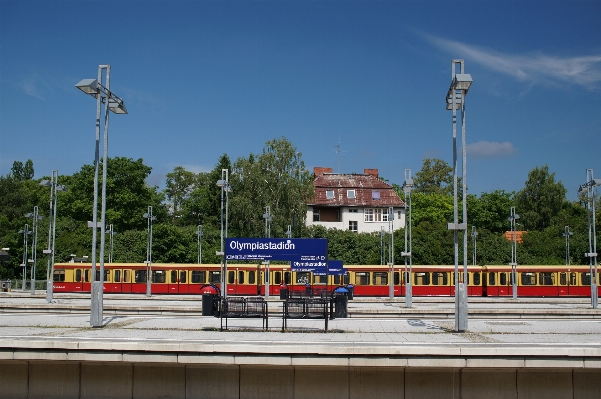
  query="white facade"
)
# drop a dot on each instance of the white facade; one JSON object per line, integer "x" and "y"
{"x": 367, "y": 219}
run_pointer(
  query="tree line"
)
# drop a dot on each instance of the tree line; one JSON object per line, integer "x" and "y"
{"x": 277, "y": 177}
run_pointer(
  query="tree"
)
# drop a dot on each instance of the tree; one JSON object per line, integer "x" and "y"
{"x": 179, "y": 183}
{"x": 540, "y": 200}
{"x": 490, "y": 211}
{"x": 276, "y": 178}
{"x": 28, "y": 170}
{"x": 435, "y": 177}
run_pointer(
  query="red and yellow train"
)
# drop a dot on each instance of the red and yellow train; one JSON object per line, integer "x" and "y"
{"x": 248, "y": 279}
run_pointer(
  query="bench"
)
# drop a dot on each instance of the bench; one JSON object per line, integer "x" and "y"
{"x": 305, "y": 308}
{"x": 238, "y": 307}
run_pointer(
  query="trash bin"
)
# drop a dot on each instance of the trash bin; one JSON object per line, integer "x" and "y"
{"x": 5, "y": 286}
{"x": 341, "y": 305}
{"x": 283, "y": 291}
{"x": 351, "y": 291}
{"x": 210, "y": 296}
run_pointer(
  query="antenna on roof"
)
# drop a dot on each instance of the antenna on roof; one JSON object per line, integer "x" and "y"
{"x": 337, "y": 150}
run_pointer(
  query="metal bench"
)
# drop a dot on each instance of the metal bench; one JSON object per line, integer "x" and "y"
{"x": 238, "y": 307}
{"x": 305, "y": 308}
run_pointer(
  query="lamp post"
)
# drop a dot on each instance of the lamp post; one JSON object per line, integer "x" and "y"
{"x": 224, "y": 183}
{"x": 268, "y": 218}
{"x": 148, "y": 262}
{"x": 111, "y": 232}
{"x": 567, "y": 234}
{"x": 54, "y": 189}
{"x": 199, "y": 235}
{"x": 407, "y": 188}
{"x": 103, "y": 95}
{"x": 35, "y": 216}
{"x": 514, "y": 251}
{"x": 455, "y": 99}
{"x": 391, "y": 252}
{"x": 382, "y": 234}
{"x": 590, "y": 185}
{"x": 26, "y": 232}
{"x": 474, "y": 238}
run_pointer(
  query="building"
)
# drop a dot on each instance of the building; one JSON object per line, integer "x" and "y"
{"x": 357, "y": 202}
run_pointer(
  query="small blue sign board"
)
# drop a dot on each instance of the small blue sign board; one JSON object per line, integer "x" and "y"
{"x": 334, "y": 267}
{"x": 312, "y": 250}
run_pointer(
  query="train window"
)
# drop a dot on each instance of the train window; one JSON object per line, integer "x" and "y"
{"x": 303, "y": 277}
{"x": 546, "y": 278}
{"x": 117, "y": 276}
{"x": 476, "y": 278}
{"x": 528, "y": 278}
{"x": 320, "y": 279}
{"x": 183, "y": 276}
{"x": 199, "y": 276}
{"x": 286, "y": 277}
{"x": 563, "y": 279}
{"x": 277, "y": 278}
{"x": 407, "y": 278}
{"x": 440, "y": 278}
{"x": 380, "y": 278}
{"x": 397, "y": 278}
{"x": 337, "y": 280}
{"x": 159, "y": 276}
{"x": 78, "y": 275}
{"x": 492, "y": 280}
{"x": 422, "y": 278}
{"x": 86, "y": 275}
{"x": 586, "y": 278}
{"x": 173, "y": 276}
{"x": 59, "y": 275}
{"x": 251, "y": 277}
{"x": 126, "y": 276}
{"x": 231, "y": 277}
{"x": 361, "y": 278}
{"x": 573, "y": 279}
{"x": 214, "y": 277}
{"x": 106, "y": 275}
{"x": 140, "y": 276}
{"x": 241, "y": 277}
{"x": 502, "y": 278}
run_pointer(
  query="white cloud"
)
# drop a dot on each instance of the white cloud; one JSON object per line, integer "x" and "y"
{"x": 540, "y": 68}
{"x": 490, "y": 149}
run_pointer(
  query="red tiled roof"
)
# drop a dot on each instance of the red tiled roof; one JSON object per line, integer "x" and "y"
{"x": 364, "y": 186}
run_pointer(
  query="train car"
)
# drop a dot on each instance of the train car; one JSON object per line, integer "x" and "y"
{"x": 367, "y": 280}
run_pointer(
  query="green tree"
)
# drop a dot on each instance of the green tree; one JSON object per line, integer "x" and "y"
{"x": 540, "y": 200}
{"x": 490, "y": 210}
{"x": 179, "y": 184}
{"x": 435, "y": 177}
{"x": 28, "y": 170}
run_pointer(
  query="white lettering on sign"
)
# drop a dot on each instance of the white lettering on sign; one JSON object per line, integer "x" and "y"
{"x": 253, "y": 246}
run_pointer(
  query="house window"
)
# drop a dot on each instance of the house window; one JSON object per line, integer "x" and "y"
{"x": 375, "y": 195}
{"x": 376, "y": 215}
{"x": 353, "y": 226}
{"x": 350, "y": 194}
{"x": 329, "y": 194}
{"x": 353, "y": 210}
{"x": 369, "y": 214}
{"x": 316, "y": 215}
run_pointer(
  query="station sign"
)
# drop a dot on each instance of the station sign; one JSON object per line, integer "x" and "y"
{"x": 331, "y": 267}
{"x": 314, "y": 250}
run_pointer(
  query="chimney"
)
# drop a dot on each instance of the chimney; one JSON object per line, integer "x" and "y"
{"x": 373, "y": 172}
{"x": 319, "y": 170}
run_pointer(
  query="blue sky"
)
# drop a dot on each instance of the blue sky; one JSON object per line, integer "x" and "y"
{"x": 203, "y": 78}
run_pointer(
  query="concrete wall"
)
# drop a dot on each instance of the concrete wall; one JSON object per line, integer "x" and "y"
{"x": 51, "y": 379}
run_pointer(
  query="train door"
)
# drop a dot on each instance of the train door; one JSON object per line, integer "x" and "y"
{"x": 126, "y": 280}
{"x": 563, "y": 284}
{"x": 116, "y": 285}
{"x": 78, "y": 280}
{"x": 260, "y": 281}
{"x": 504, "y": 284}
{"x": 231, "y": 282}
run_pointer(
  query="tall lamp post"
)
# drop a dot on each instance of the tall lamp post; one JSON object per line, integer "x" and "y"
{"x": 589, "y": 186}
{"x": 103, "y": 95}
{"x": 224, "y": 183}
{"x": 567, "y": 234}
{"x": 34, "y": 245}
{"x": 455, "y": 99}
{"x": 514, "y": 252}
{"x": 391, "y": 252}
{"x": 407, "y": 187}
{"x": 54, "y": 189}
{"x": 268, "y": 218}
{"x": 199, "y": 235}
{"x": 474, "y": 238}
{"x": 26, "y": 232}
{"x": 111, "y": 232}
{"x": 148, "y": 262}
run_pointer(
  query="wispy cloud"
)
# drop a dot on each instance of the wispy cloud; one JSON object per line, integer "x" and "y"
{"x": 490, "y": 149}
{"x": 535, "y": 68}
{"x": 32, "y": 88}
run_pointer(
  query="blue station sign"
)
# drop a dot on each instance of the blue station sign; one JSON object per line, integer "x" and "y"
{"x": 334, "y": 267}
{"x": 287, "y": 249}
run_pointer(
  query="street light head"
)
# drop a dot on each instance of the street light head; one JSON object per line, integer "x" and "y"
{"x": 61, "y": 188}
{"x": 596, "y": 182}
{"x": 89, "y": 86}
{"x": 117, "y": 106}
{"x": 220, "y": 183}
{"x": 462, "y": 81}
{"x": 46, "y": 183}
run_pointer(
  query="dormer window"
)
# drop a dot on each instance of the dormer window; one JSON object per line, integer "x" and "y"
{"x": 329, "y": 194}
{"x": 375, "y": 195}
{"x": 350, "y": 194}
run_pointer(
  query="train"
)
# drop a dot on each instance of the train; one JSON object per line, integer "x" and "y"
{"x": 364, "y": 280}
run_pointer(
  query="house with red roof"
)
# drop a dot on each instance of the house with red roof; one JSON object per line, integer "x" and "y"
{"x": 358, "y": 202}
